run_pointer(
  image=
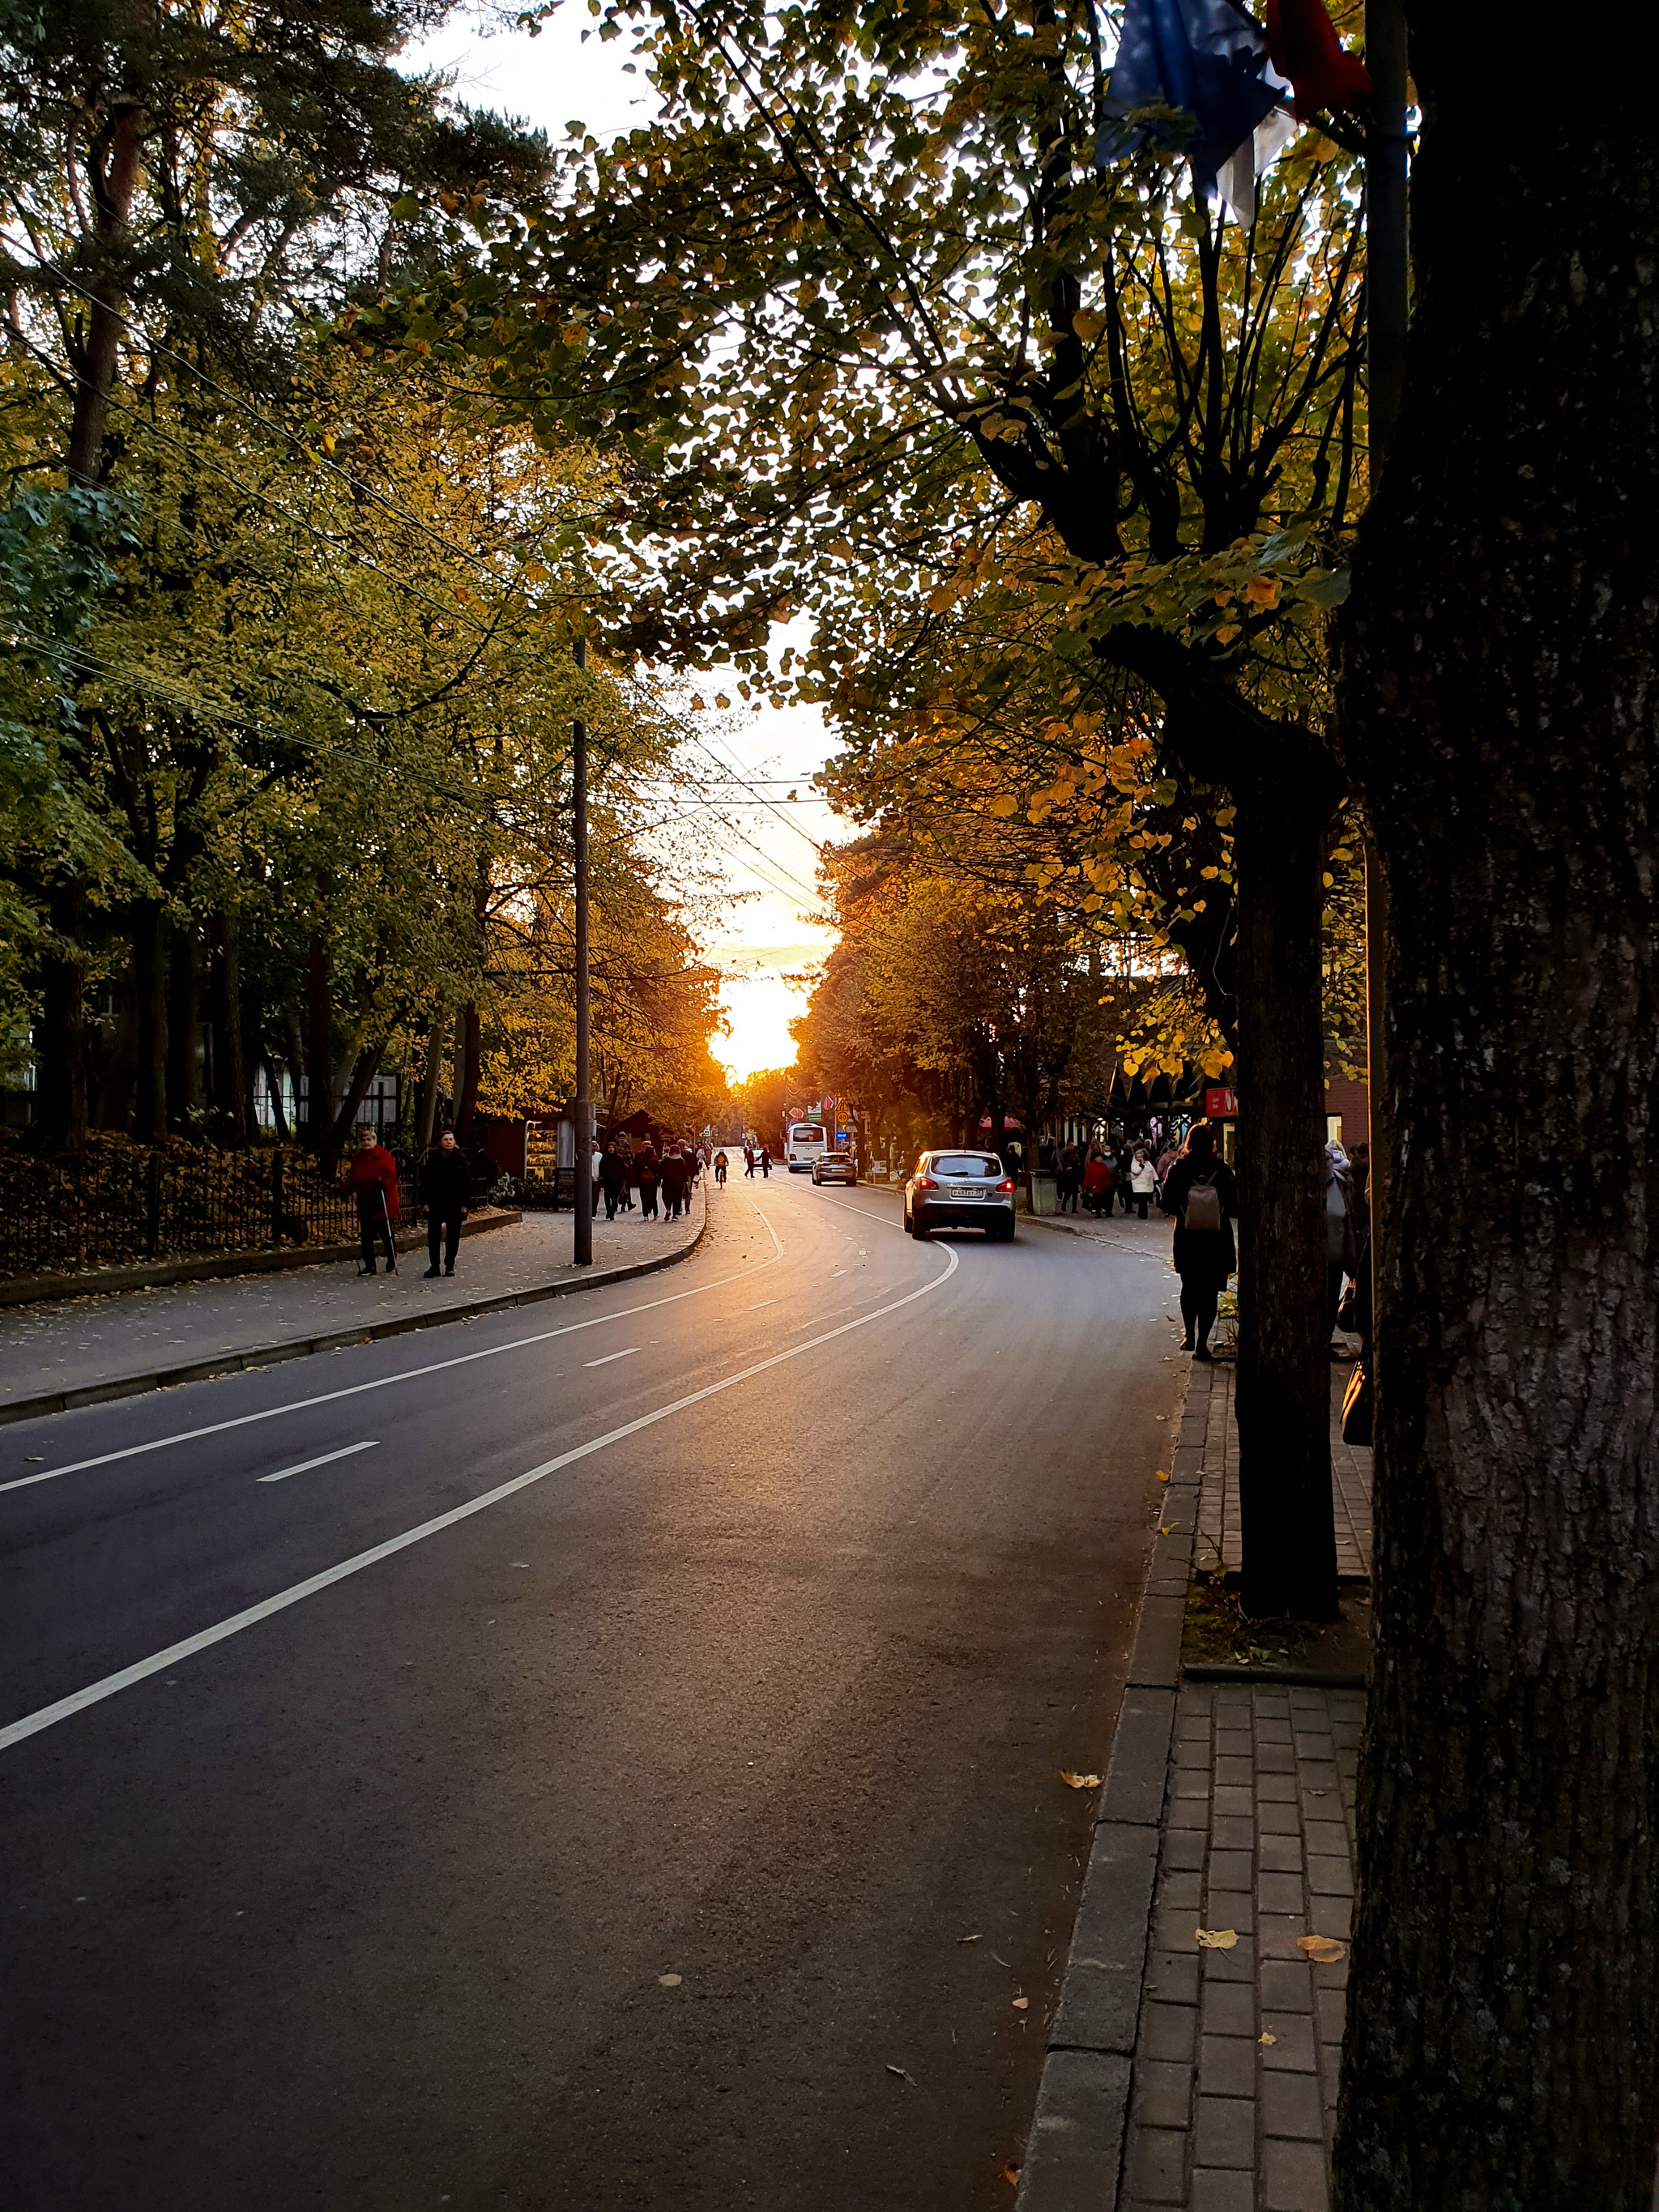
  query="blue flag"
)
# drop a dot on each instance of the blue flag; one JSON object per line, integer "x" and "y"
{"x": 1210, "y": 57}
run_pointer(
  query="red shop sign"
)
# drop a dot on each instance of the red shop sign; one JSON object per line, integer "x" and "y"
{"x": 1221, "y": 1105}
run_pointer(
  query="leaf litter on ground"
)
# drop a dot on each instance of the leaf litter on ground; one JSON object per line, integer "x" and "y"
{"x": 1079, "y": 1781}
{"x": 1216, "y": 1939}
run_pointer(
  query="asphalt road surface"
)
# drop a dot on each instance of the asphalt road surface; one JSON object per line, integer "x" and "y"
{"x": 561, "y": 1762}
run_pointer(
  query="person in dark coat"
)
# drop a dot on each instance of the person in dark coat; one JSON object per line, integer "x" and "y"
{"x": 1204, "y": 1258}
{"x": 613, "y": 1179}
{"x": 749, "y": 1162}
{"x": 1069, "y": 1180}
{"x": 648, "y": 1184}
{"x": 371, "y": 1176}
{"x": 673, "y": 1182}
{"x": 766, "y": 1163}
{"x": 447, "y": 1187}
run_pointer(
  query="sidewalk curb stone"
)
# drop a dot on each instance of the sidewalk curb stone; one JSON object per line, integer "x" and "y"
{"x": 270, "y": 1355}
{"x": 1075, "y": 2149}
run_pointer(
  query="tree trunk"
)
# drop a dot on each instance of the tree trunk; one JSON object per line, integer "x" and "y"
{"x": 150, "y": 994}
{"x": 319, "y": 1067}
{"x": 1499, "y": 698}
{"x": 113, "y": 162}
{"x": 61, "y": 1090}
{"x": 430, "y": 1073}
{"x": 230, "y": 1076}
{"x": 466, "y": 1071}
{"x": 184, "y": 1086}
{"x": 1284, "y": 1387}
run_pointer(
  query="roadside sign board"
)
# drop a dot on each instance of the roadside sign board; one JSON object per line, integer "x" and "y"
{"x": 1220, "y": 1105}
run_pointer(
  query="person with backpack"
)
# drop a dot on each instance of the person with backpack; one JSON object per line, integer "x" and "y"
{"x": 720, "y": 1169}
{"x": 1201, "y": 1193}
{"x": 648, "y": 1164}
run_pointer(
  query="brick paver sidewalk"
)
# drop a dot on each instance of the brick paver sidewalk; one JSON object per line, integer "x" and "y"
{"x": 1219, "y": 1539}
{"x": 1234, "y": 2078}
{"x": 72, "y": 1343}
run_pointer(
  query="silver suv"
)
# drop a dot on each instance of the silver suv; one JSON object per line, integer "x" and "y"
{"x": 836, "y": 1166}
{"x": 960, "y": 1190}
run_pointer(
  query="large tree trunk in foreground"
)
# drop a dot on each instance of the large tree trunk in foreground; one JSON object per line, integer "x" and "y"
{"x": 1282, "y": 1399}
{"x": 1499, "y": 699}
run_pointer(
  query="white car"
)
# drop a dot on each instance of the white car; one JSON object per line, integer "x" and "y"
{"x": 960, "y": 1190}
{"x": 835, "y": 1167}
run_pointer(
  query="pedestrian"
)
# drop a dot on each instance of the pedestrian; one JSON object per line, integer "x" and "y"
{"x": 766, "y": 1163}
{"x": 625, "y": 1187}
{"x": 447, "y": 1189}
{"x": 593, "y": 1166}
{"x": 1070, "y": 1179}
{"x": 648, "y": 1184}
{"x": 749, "y": 1162}
{"x": 1143, "y": 1179}
{"x": 1166, "y": 1160}
{"x": 1123, "y": 1163}
{"x": 1337, "y": 1203}
{"x": 673, "y": 1179}
{"x": 1097, "y": 1180}
{"x": 1200, "y": 1192}
{"x": 371, "y": 1176}
{"x": 613, "y": 1180}
{"x": 719, "y": 1170}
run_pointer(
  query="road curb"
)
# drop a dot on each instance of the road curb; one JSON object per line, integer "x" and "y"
{"x": 271, "y": 1355}
{"x": 1075, "y": 2150}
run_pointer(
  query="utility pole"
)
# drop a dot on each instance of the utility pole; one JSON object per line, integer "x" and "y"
{"x": 584, "y": 1102}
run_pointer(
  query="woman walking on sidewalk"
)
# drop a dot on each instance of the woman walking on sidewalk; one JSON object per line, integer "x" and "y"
{"x": 1143, "y": 1179}
{"x": 371, "y": 1177}
{"x": 1200, "y": 1192}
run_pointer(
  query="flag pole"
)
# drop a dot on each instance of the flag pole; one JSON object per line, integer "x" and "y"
{"x": 584, "y": 1249}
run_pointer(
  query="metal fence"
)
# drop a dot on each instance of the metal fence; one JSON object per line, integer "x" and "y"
{"x": 118, "y": 1204}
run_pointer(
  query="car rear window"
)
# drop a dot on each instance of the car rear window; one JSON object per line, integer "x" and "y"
{"x": 966, "y": 1164}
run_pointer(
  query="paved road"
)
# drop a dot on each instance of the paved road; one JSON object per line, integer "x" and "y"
{"x": 578, "y": 1796}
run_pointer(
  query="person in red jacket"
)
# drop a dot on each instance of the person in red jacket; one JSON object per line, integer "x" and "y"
{"x": 371, "y": 1175}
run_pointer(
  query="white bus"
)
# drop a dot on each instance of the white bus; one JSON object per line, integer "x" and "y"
{"x": 803, "y": 1143}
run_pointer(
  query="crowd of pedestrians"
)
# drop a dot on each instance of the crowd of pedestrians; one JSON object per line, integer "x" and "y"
{"x": 664, "y": 1179}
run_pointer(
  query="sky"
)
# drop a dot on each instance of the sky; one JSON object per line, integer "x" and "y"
{"x": 763, "y": 929}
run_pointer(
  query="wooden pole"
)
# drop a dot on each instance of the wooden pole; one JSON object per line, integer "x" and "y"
{"x": 584, "y": 1254}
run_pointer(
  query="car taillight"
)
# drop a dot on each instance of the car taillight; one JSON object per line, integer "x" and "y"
{"x": 1007, "y": 1183}
{"x": 926, "y": 1182}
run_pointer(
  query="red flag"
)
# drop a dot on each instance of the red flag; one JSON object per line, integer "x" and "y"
{"x": 1305, "y": 47}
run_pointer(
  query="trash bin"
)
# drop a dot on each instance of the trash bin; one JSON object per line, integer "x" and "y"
{"x": 1044, "y": 1188}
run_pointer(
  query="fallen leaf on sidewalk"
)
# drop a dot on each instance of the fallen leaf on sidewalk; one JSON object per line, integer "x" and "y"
{"x": 32, "y": 1459}
{"x": 1216, "y": 1939}
{"x": 1162, "y": 1476}
{"x": 1021, "y": 2003}
{"x": 670, "y": 1981}
{"x": 968, "y": 1939}
{"x": 1079, "y": 1781}
{"x": 1011, "y": 2175}
{"x": 1267, "y": 2036}
{"x": 900, "y": 2071}
{"x": 1323, "y": 1950}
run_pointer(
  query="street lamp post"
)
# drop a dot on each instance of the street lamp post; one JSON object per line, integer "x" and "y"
{"x": 584, "y": 1254}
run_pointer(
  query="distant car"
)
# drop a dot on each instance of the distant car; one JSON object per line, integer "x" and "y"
{"x": 960, "y": 1190}
{"x": 835, "y": 1167}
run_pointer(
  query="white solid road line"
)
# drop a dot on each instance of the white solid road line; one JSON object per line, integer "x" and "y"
{"x": 305, "y": 1465}
{"x": 386, "y": 1382}
{"x": 609, "y": 1356}
{"x": 96, "y": 1693}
